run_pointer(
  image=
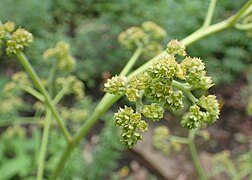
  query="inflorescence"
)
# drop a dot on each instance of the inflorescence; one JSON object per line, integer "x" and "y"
{"x": 164, "y": 85}
{"x": 15, "y": 41}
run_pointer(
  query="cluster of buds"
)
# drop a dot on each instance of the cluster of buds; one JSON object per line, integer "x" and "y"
{"x": 165, "y": 83}
{"x": 19, "y": 79}
{"x": 61, "y": 52}
{"x": 162, "y": 141}
{"x": 72, "y": 86}
{"x": 149, "y": 35}
{"x": 132, "y": 125}
{"x": 15, "y": 41}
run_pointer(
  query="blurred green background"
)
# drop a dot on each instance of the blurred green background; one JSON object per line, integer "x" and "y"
{"x": 92, "y": 27}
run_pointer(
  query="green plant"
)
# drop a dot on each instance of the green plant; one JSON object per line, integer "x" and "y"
{"x": 190, "y": 71}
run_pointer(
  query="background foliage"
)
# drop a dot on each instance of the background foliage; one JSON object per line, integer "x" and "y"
{"x": 92, "y": 27}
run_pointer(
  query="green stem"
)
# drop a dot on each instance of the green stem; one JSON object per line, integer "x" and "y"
{"x": 33, "y": 92}
{"x": 185, "y": 90}
{"x": 132, "y": 61}
{"x": 195, "y": 157}
{"x": 177, "y": 139}
{"x": 29, "y": 69}
{"x": 43, "y": 148}
{"x": 108, "y": 100}
{"x": 210, "y": 12}
{"x": 232, "y": 170}
{"x": 235, "y": 18}
{"x": 243, "y": 27}
{"x": 60, "y": 95}
{"x": 51, "y": 78}
{"x": 21, "y": 121}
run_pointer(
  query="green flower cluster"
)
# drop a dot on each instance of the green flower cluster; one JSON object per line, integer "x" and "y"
{"x": 132, "y": 125}
{"x": 72, "y": 85}
{"x": 162, "y": 142}
{"x": 116, "y": 85}
{"x": 149, "y": 35}
{"x": 65, "y": 60}
{"x": 193, "y": 72}
{"x": 165, "y": 84}
{"x": 175, "y": 47}
{"x": 15, "y": 41}
{"x": 205, "y": 111}
{"x": 19, "y": 79}
{"x": 154, "y": 111}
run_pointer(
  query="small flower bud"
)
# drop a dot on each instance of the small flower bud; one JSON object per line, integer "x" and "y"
{"x": 174, "y": 100}
{"x": 9, "y": 26}
{"x": 176, "y": 47}
{"x": 153, "y": 30}
{"x": 154, "y": 111}
{"x": 116, "y": 85}
{"x": 165, "y": 67}
{"x": 211, "y": 105}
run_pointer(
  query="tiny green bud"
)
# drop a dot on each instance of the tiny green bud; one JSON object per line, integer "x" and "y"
{"x": 153, "y": 30}
{"x": 211, "y": 105}
{"x": 154, "y": 111}
{"x": 176, "y": 47}
{"x": 142, "y": 126}
{"x": 116, "y": 85}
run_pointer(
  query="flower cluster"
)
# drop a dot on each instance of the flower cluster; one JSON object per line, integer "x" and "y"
{"x": 161, "y": 140}
{"x": 65, "y": 60}
{"x": 72, "y": 85}
{"x": 132, "y": 125}
{"x": 116, "y": 85}
{"x": 193, "y": 72}
{"x": 175, "y": 47}
{"x": 149, "y": 35}
{"x": 19, "y": 79}
{"x": 165, "y": 84}
{"x": 206, "y": 110}
{"x": 154, "y": 111}
{"x": 15, "y": 41}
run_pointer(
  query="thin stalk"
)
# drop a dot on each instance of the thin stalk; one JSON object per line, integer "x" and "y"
{"x": 21, "y": 121}
{"x": 210, "y": 12}
{"x": 60, "y": 95}
{"x": 33, "y": 92}
{"x": 108, "y": 100}
{"x": 235, "y": 18}
{"x": 232, "y": 170}
{"x": 43, "y": 148}
{"x": 243, "y": 27}
{"x": 195, "y": 156}
{"x": 180, "y": 140}
{"x": 51, "y": 78}
{"x": 29, "y": 69}
{"x": 185, "y": 90}
{"x": 132, "y": 61}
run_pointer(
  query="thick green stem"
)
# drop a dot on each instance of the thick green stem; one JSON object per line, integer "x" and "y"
{"x": 195, "y": 157}
{"x": 108, "y": 100}
{"x": 29, "y": 69}
{"x": 132, "y": 61}
{"x": 43, "y": 148}
{"x": 210, "y": 12}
